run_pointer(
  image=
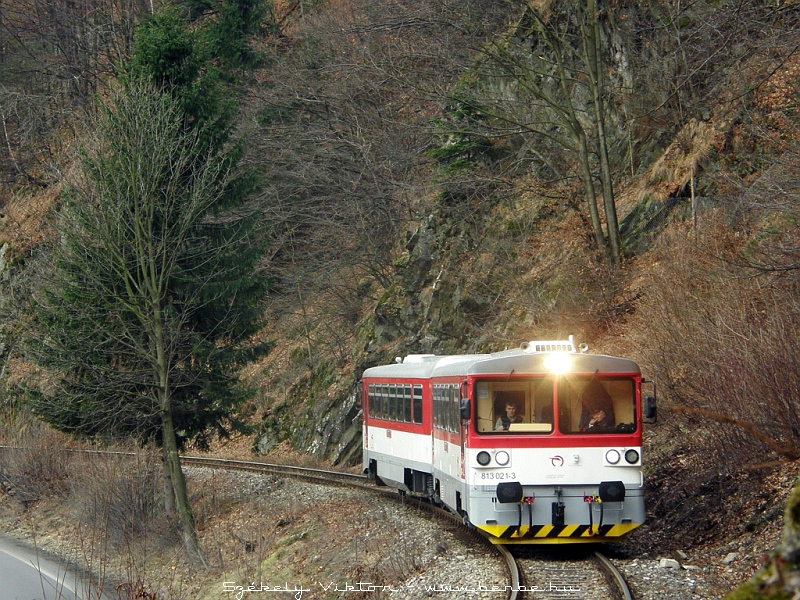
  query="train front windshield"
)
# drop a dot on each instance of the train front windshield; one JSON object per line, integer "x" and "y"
{"x": 568, "y": 404}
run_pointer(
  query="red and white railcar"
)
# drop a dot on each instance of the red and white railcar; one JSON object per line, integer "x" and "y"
{"x": 542, "y": 444}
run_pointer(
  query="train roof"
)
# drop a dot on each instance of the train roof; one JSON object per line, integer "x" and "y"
{"x": 534, "y": 358}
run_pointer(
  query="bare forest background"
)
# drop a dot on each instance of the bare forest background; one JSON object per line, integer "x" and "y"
{"x": 463, "y": 176}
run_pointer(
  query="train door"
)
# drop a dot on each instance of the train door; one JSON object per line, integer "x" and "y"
{"x": 362, "y": 401}
{"x": 463, "y": 420}
{"x": 463, "y": 423}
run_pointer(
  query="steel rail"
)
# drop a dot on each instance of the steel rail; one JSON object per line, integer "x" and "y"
{"x": 327, "y": 477}
{"x": 615, "y": 575}
{"x": 304, "y": 472}
{"x": 512, "y": 568}
{"x": 323, "y": 476}
{"x": 510, "y": 563}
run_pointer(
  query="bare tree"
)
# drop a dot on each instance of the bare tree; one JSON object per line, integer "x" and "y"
{"x": 345, "y": 119}
{"x": 55, "y": 56}
{"x": 544, "y": 81}
{"x": 724, "y": 347}
{"x": 775, "y": 199}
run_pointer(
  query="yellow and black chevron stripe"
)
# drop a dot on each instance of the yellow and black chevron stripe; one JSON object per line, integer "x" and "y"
{"x": 557, "y": 534}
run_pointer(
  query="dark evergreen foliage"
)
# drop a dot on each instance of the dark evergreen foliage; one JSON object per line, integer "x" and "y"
{"x": 174, "y": 55}
{"x": 229, "y": 33}
{"x": 200, "y": 224}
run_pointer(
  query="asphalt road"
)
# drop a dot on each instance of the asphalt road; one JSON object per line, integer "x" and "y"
{"x": 26, "y": 576}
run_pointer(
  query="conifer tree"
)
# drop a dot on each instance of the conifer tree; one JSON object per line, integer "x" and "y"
{"x": 155, "y": 289}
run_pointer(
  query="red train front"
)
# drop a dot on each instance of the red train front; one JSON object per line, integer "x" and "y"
{"x": 536, "y": 445}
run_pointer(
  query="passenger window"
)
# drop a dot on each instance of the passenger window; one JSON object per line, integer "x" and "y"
{"x": 418, "y": 405}
{"x": 514, "y": 406}
{"x": 596, "y": 406}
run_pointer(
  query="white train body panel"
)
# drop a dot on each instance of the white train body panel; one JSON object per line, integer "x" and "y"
{"x": 553, "y": 467}
{"x": 447, "y": 469}
{"x": 397, "y": 451}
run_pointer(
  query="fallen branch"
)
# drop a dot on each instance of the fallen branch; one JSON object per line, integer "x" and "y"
{"x": 790, "y": 453}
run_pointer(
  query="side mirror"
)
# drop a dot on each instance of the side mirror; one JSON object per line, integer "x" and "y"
{"x": 650, "y": 410}
{"x": 463, "y": 404}
{"x": 464, "y": 408}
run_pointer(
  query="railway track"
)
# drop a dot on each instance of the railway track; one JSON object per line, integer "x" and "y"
{"x": 570, "y": 574}
{"x": 324, "y": 477}
{"x": 534, "y": 574}
{"x": 313, "y": 475}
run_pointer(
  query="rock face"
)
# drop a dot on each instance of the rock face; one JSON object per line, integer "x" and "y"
{"x": 427, "y": 308}
{"x": 337, "y": 435}
{"x": 330, "y": 430}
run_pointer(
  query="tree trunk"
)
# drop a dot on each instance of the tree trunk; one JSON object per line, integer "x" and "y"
{"x": 169, "y": 492}
{"x": 590, "y": 30}
{"x": 578, "y": 132}
{"x": 173, "y": 471}
{"x": 589, "y": 191}
{"x": 184, "y": 510}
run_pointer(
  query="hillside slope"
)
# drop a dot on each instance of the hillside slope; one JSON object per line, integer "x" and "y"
{"x": 426, "y": 197}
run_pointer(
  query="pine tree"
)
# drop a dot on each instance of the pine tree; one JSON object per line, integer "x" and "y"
{"x": 155, "y": 290}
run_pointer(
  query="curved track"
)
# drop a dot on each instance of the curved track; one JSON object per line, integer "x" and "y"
{"x": 539, "y": 577}
{"x": 616, "y": 576}
{"x": 305, "y": 473}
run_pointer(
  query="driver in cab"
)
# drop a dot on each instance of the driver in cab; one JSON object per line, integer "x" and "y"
{"x": 511, "y": 416}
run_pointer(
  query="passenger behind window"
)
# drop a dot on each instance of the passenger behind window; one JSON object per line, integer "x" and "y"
{"x": 597, "y": 413}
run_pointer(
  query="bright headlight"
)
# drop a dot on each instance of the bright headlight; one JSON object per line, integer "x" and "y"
{"x": 612, "y": 456}
{"x": 502, "y": 458}
{"x": 557, "y": 364}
